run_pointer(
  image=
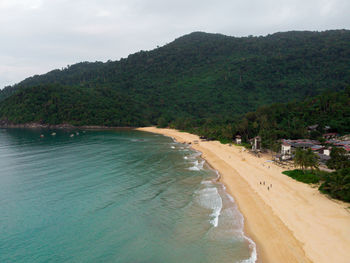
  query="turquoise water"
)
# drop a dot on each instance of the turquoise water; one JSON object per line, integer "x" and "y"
{"x": 112, "y": 196}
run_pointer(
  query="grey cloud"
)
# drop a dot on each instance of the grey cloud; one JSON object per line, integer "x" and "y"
{"x": 39, "y": 35}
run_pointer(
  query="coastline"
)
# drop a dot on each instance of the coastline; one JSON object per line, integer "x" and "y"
{"x": 34, "y": 125}
{"x": 290, "y": 221}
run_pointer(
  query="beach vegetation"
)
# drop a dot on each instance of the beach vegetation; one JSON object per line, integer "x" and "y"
{"x": 305, "y": 159}
{"x": 339, "y": 159}
{"x": 305, "y": 176}
{"x": 337, "y": 184}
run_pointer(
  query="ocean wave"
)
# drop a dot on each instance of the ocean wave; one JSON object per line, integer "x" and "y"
{"x": 195, "y": 155}
{"x": 137, "y": 140}
{"x": 197, "y": 165}
{"x": 210, "y": 198}
{"x": 253, "y": 257}
{"x": 207, "y": 182}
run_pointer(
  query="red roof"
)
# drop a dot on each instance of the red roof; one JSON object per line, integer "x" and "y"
{"x": 330, "y": 134}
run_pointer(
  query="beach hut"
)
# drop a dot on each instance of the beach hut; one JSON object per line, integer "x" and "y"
{"x": 238, "y": 139}
{"x": 331, "y": 135}
{"x": 256, "y": 143}
{"x": 327, "y": 151}
{"x": 312, "y": 128}
{"x": 286, "y": 150}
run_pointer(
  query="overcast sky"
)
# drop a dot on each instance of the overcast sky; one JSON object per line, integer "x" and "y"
{"x": 37, "y": 36}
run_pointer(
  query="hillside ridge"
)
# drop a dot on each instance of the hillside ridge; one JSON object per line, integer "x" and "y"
{"x": 197, "y": 76}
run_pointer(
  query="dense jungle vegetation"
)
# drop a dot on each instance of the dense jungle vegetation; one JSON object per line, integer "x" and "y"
{"x": 281, "y": 120}
{"x": 199, "y": 80}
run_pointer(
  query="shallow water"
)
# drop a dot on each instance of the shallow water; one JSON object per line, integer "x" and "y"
{"x": 107, "y": 196}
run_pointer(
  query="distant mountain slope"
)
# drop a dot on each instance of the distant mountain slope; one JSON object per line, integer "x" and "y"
{"x": 327, "y": 112}
{"x": 200, "y": 75}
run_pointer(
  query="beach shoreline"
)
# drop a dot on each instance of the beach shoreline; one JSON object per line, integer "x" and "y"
{"x": 288, "y": 220}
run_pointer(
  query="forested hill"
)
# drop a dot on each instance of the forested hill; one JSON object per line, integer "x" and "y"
{"x": 197, "y": 76}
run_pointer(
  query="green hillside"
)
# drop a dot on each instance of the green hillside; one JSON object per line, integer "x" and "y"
{"x": 281, "y": 120}
{"x": 198, "y": 76}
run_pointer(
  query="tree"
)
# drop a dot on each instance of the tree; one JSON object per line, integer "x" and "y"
{"x": 275, "y": 147}
{"x": 305, "y": 159}
{"x": 162, "y": 122}
{"x": 338, "y": 160}
{"x": 311, "y": 159}
{"x": 337, "y": 184}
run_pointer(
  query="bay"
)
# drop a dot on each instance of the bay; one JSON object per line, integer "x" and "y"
{"x": 112, "y": 196}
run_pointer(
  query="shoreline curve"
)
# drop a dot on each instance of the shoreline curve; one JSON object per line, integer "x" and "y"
{"x": 290, "y": 222}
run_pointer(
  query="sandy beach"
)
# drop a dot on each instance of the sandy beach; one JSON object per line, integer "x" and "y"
{"x": 288, "y": 220}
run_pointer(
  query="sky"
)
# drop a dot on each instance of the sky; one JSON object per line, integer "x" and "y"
{"x": 37, "y": 36}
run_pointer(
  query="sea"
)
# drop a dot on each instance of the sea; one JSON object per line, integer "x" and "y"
{"x": 113, "y": 196}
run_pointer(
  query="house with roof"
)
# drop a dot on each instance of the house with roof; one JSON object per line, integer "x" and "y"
{"x": 256, "y": 143}
{"x": 288, "y": 147}
{"x": 286, "y": 151}
{"x": 238, "y": 139}
{"x": 330, "y": 135}
{"x": 312, "y": 128}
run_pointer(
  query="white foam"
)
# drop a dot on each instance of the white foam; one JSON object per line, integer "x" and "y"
{"x": 197, "y": 165}
{"x": 239, "y": 217}
{"x": 210, "y": 198}
{"x": 207, "y": 182}
{"x": 253, "y": 257}
{"x": 195, "y": 155}
{"x": 172, "y": 147}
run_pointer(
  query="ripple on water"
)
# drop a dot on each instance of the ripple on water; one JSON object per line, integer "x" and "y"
{"x": 137, "y": 197}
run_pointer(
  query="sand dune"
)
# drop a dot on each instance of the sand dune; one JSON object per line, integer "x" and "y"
{"x": 290, "y": 221}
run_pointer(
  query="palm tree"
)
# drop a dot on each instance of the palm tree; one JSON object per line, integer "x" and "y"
{"x": 305, "y": 159}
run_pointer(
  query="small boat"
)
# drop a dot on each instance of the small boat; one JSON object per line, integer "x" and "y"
{"x": 77, "y": 133}
{"x": 72, "y": 135}
{"x": 53, "y": 134}
{"x": 41, "y": 135}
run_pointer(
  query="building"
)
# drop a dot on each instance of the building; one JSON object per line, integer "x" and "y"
{"x": 345, "y": 144}
{"x": 256, "y": 143}
{"x": 322, "y": 157}
{"x": 312, "y": 128}
{"x": 288, "y": 147}
{"x": 330, "y": 135}
{"x": 327, "y": 151}
{"x": 286, "y": 151}
{"x": 238, "y": 139}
